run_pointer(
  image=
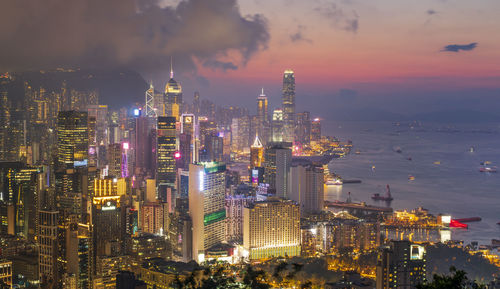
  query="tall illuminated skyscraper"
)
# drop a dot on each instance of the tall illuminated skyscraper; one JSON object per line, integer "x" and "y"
{"x": 316, "y": 130}
{"x": 173, "y": 97}
{"x": 256, "y": 153}
{"x": 72, "y": 138}
{"x": 207, "y": 191}
{"x": 289, "y": 105}
{"x": 262, "y": 117}
{"x": 165, "y": 155}
{"x": 277, "y": 126}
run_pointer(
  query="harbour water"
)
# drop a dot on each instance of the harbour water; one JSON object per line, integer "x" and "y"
{"x": 439, "y": 157}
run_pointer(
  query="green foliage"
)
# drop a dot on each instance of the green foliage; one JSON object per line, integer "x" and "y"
{"x": 457, "y": 280}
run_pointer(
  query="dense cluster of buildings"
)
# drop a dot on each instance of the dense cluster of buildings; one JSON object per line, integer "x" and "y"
{"x": 89, "y": 195}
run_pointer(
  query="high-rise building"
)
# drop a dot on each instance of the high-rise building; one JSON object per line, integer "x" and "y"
{"x": 144, "y": 128}
{"x": 189, "y": 127}
{"x": 72, "y": 138}
{"x": 316, "y": 130}
{"x": 303, "y": 130}
{"x": 271, "y": 229}
{"x": 256, "y": 153}
{"x": 277, "y": 161}
{"x": 165, "y": 154}
{"x": 262, "y": 117}
{"x": 277, "y": 126}
{"x": 207, "y": 190}
{"x": 289, "y": 105}
{"x": 401, "y": 265}
{"x": 48, "y": 246}
{"x": 234, "y": 216}
{"x": 307, "y": 187}
{"x": 154, "y": 218}
{"x": 114, "y": 157}
{"x": 240, "y": 133}
{"x": 173, "y": 97}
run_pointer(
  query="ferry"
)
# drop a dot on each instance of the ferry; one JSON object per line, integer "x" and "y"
{"x": 336, "y": 182}
{"x": 488, "y": 169}
{"x": 387, "y": 197}
{"x": 411, "y": 178}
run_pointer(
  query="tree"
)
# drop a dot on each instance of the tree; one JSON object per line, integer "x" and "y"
{"x": 457, "y": 280}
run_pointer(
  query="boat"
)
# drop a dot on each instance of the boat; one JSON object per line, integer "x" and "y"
{"x": 411, "y": 178}
{"x": 357, "y": 152}
{"x": 409, "y": 158}
{"x": 398, "y": 150}
{"x": 437, "y": 162}
{"x": 488, "y": 169}
{"x": 387, "y": 197}
{"x": 335, "y": 182}
{"x": 467, "y": 220}
{"x": 457, "y": 224}
{"x": 352, "y": 181}
{"x": 472, "y": 149}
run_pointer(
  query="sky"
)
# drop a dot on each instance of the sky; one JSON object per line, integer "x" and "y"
{"x": 349, "y": 56}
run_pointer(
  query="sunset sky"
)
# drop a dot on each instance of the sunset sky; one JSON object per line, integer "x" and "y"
{"x": 396, "y": 56}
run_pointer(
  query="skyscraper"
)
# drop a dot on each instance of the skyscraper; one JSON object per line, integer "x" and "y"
{"x": 277, "y": 161}
{"x": 262, "y": 117}
{"x": 207, "y": 191}
{"x": 277, "y": 126}
{"x": 271, "y": 229}
{"x": 303, "y": 130}
{"x": 165, "y": 155}
{"x": 289, "y": 105}
{"x": 256, "y": 153}
{"x": 316, "y": 130}
{"x": 401, "y": 265}
{"x": 72, "y": 138}
{"x": 173, "y": 97}
{"x": 307, "y": 187}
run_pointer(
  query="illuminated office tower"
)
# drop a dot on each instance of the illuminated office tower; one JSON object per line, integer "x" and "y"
{"x": 48, "y": 246}
{"x": 4, "y": 119}
{"x": 19, "y": 198}
{"x": 277, "y": 161}
{"x": 100, "y": 113}
{"x": 307, "y": 187}
{"x": 207, "y": 190}
{"x": 256, "y": 153}
{"x": 78, "y": 254}
{"x": 71, "y": 188}
{"x": 106, "y": 219}
{"x": 189, "y": 127}
{"x": 262, "y": 117}
{"x": 277, "y": 126}
{"x": 240, "y": 133}
{"x": 303, "y": 130}
{"x": 149, "y": 107}
{"x": 114, "y": 157}
{"x": 184, "y": 151}
{"x": 212, "y": 149}
{"x": 401, "y": 265}
{"x": 165, "y": 156}
{"x": 72, "y": 138}
{"x": 173, "y": 97}
{"x": 316, "y": 130}
{"x": 153, "y": 218}
{"x": 196, "y": 103}
{"x": 271, "y": 229}
{"x": 289, "y": 105}
{"x": 206, "y": 127}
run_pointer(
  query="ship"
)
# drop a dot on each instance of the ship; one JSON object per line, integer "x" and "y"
{"x": 387, "y": 197}
{"x": 335, "y": 182}
{"x": 411, "y": 178}
{"x": 398, "y": 150}
{"x": 488, "y": 169}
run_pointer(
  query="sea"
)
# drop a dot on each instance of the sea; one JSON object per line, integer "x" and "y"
{"x": 444, "y": 160}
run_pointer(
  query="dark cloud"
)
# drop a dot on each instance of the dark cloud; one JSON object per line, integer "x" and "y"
{"x": 137, "y": 34}
{"x": 339, "y": 18}
{"x": 298, "y": 36}
{"x": 459, "y": 47}
{"x": 431, "y": 12}
{"x": 224, "y": 65}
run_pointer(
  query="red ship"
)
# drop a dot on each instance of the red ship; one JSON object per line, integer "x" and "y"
{"x": 457, "y": 224}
